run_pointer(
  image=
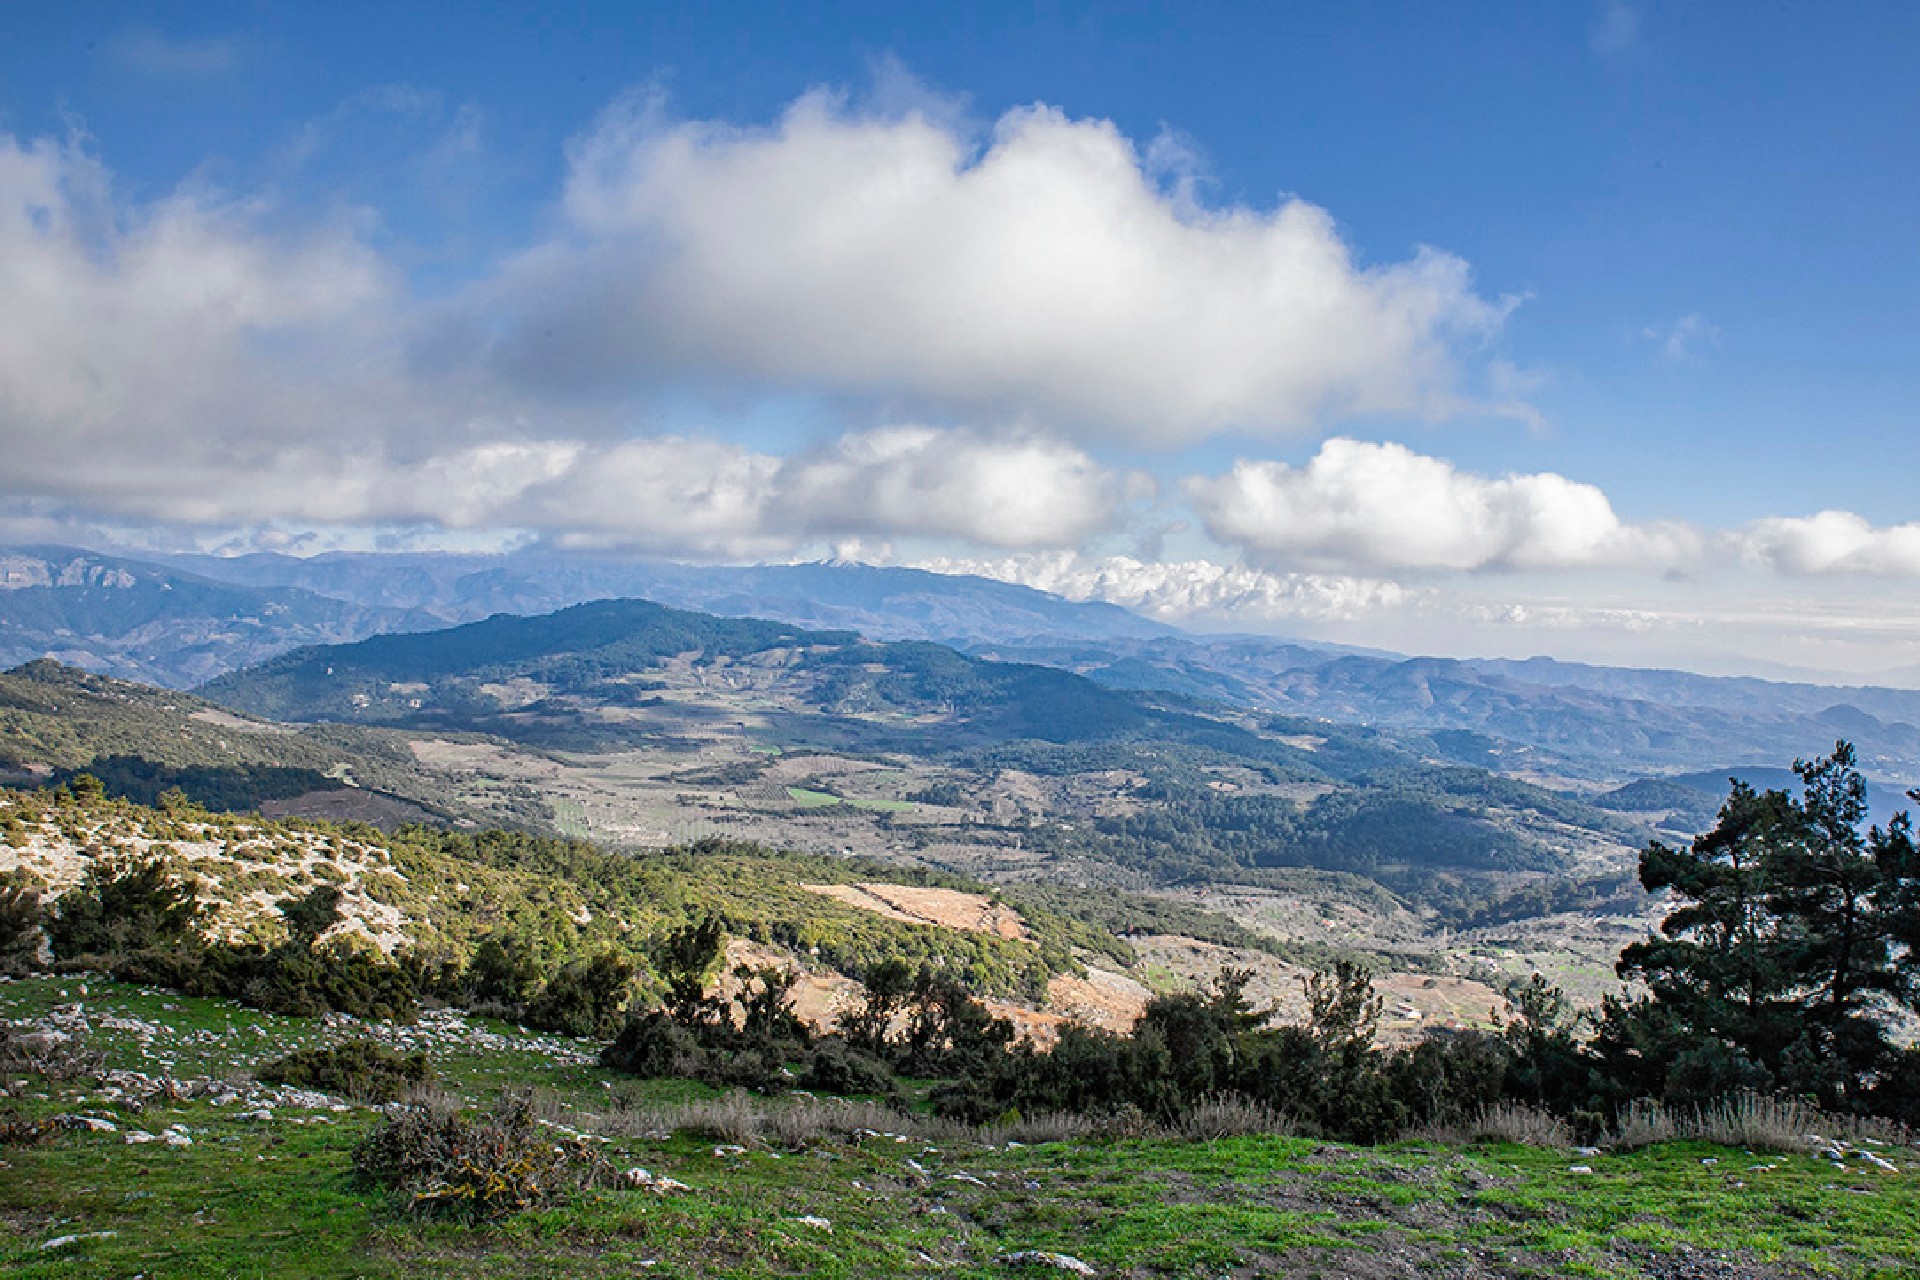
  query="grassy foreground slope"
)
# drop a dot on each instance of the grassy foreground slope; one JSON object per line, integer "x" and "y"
{"x": 274, "y": 1195}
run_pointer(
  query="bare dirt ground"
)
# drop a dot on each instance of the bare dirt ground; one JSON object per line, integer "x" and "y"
{"x": 948, "y": 908}
{"x": 820, "y": 998}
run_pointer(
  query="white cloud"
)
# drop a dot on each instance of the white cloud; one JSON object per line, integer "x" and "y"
{"x": 710, "y": 498}
{"x": 1190, "y": 590}
{"x": 1683, "y": 341}
{"x": 173, "y": 330}
{"x": 1045, "y": 277}
{"x": 1832, "y": 543}
{"x": 1385, "y": 507}
{"x": 184, "y": 361}
{"x": 1009, "y": 492}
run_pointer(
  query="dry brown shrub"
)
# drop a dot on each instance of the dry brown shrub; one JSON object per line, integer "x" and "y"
{"x": 1231, "y": 1116}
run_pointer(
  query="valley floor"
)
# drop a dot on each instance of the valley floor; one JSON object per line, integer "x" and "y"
{"x": 257, "y": 1181}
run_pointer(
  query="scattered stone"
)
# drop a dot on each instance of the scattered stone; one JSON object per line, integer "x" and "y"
{"x": 61, "y": 1242}
{"x": 816, "y": 1222}
{"x": 641, "y": 1179}
{"x": 1051, "y": 1261}
{"x": 1580, "y": 1168}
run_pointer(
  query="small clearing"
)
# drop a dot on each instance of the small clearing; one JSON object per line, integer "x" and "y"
{"x": 948, "y": 908}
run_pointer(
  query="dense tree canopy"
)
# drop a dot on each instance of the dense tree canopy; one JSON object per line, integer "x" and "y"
{"x": 1789, "y": 951}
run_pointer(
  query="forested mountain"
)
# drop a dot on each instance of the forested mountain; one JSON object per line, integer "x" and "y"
{"x": 142, "y": 621}
{"x": 1538, "y": 717}
{"x": 1165, "y": 787}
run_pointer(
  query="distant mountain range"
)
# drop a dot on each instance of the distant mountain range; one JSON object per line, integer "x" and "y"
{"x": 181, "y": 620}
{"x": 162, "y": 624}
{"x": 879, "y": 603}
{"x": 1537, "y": 718}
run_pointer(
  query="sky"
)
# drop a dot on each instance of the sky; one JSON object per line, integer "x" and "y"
{"x": 1579, "y": 329}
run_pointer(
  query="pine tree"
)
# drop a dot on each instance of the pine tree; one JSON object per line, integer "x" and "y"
{"x": 1778, "y": 966}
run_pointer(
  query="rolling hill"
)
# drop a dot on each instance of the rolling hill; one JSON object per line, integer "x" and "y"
{"x": 1063, "y": 777}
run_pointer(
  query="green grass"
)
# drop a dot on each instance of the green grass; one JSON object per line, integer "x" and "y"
{"x": 252, "y": 1198}
{"x": 826, "y": 800}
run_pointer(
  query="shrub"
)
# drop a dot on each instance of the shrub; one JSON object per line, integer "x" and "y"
{"x": 123, "y": 907}
{"x": 654, "y": 1046}
{"x": 758, "y": 1069}
{"x": 312, "y": 914}
{"x": 17, "y": 1130}
{"x": 502, "y": 972}
{"x": 45, "y": 1054}
{"x": 836, "y": 1067}
{"x": 21, "y": 917}
{"x": 584, "y": 999}
{"x": 443, "y": 1163}
{"x": 358, "y": 1069}
{"x": 298, "y": 982}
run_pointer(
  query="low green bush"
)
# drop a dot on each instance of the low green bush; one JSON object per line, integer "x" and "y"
{"x": 837, "y": 1067}
{"x": 358, "y": 1069}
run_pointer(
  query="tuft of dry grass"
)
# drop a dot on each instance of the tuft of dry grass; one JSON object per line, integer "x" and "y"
{"x": 1642, "y": 1124}
{"x": 1231, "y": 1116}
{"x": 1518, "y": 1123}
{"x": 1751, "y": 1120}
{"x": 794, "y": 1123}
{"x": 1042, "y": 1127}
{"x": 1503, "y": 1122}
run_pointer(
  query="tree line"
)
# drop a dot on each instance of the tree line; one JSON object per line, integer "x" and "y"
{"x": 1786, "y": 966}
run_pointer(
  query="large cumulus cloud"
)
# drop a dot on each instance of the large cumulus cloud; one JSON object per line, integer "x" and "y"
{"x": 1385, "y": 507}
{"x": 209, "y": 357}
{"x": 1044, "y": 277}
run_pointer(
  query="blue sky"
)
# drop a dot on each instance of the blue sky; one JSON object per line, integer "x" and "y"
{"x": 1510, "y": 260}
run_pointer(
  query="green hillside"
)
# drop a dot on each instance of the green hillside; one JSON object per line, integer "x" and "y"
{"x": 438, "y": 893}
{"x": 56, "y": 721}
{"x": 1208, "y": 793}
